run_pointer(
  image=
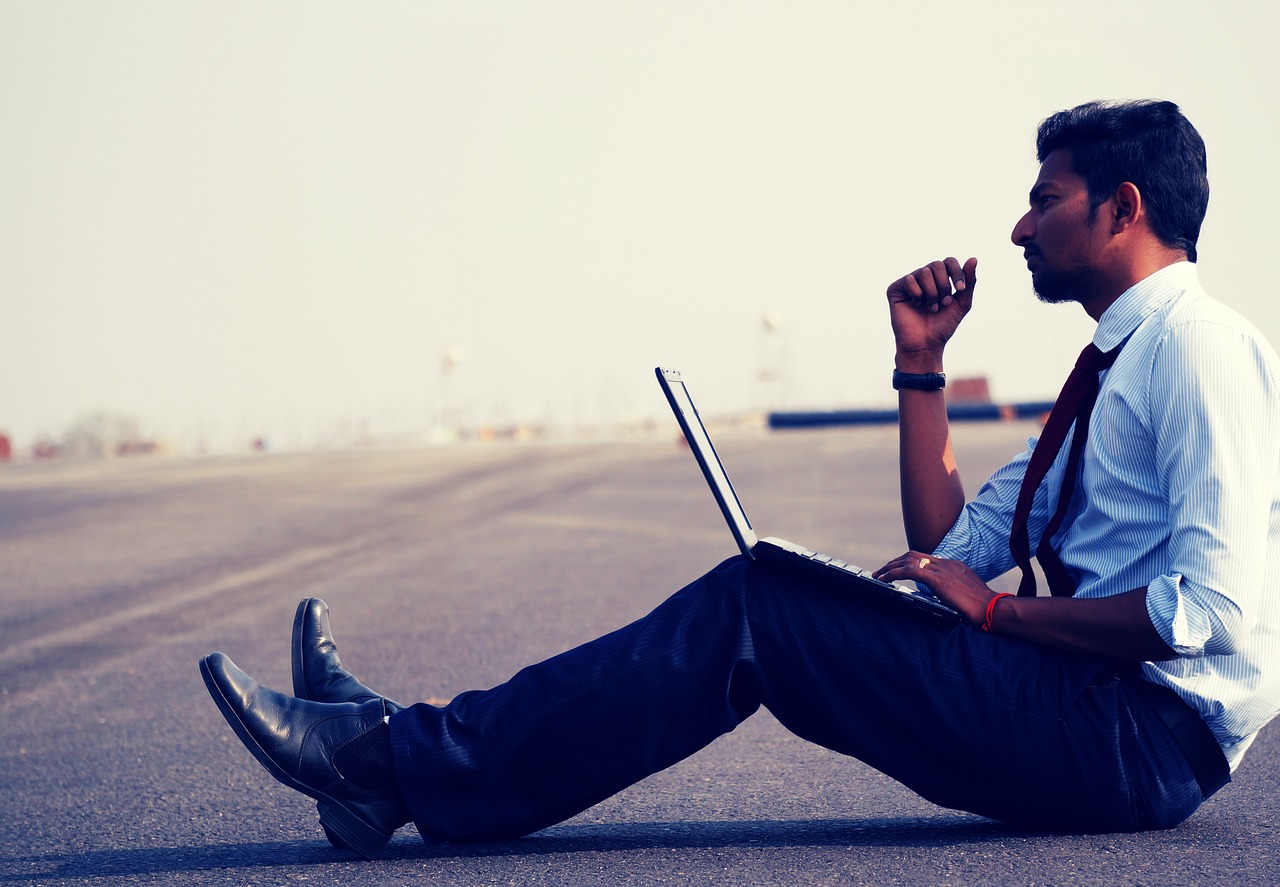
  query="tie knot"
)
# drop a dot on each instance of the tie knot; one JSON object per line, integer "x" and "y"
{"x": 1091, "y": 358}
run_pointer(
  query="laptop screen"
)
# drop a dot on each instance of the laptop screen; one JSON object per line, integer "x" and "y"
{"x": 696, "y": 434}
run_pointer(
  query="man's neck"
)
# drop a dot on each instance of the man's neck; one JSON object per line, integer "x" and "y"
{"x": 1112, "y": 287}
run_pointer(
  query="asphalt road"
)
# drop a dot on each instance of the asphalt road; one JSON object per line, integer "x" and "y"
{"x": 445, "y": 570}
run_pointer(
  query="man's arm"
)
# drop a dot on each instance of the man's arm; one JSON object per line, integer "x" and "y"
{"x": 925, "y": 308}
{"x": 1117, "y": 627}
{"x": 932, "y": 495}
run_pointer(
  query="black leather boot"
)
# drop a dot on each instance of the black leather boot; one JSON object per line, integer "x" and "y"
{"x": 339, "y": 754}
{"x": 318, "y": 674}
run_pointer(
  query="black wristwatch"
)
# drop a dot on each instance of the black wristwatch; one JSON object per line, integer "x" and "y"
{"x": 919, "y": 381}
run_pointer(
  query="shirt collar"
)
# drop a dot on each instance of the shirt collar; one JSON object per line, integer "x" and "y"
{"x": 1140, "y": 300}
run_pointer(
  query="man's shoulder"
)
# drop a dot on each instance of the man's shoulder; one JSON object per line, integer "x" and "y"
{"x": 1193, "y": 314}
{"x": 1191, "y": 335}
{"x": 1197, "y": 336}
{"x": 1194, "y": 305}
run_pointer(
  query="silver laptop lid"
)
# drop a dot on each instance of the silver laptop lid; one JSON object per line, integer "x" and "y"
{"x": 700, "y": 442}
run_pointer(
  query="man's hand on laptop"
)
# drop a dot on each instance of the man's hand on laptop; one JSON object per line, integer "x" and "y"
{"x": 954, "y": 583}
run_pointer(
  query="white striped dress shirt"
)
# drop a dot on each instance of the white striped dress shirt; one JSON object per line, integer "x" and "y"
{"x": 1179, "y": 493}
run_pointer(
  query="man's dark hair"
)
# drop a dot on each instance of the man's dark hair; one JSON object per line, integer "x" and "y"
{"x": 1148, "y": 143}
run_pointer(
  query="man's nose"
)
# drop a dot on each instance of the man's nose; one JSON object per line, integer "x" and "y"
{"x": 1023, "y": 231}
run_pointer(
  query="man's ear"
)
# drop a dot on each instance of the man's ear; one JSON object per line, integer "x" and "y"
{"x": 1126, "y": 207}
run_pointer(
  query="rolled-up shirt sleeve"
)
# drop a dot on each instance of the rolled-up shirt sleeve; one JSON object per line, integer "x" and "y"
{"x": 1216, "y": 422}
{"x": 980, "y": 536}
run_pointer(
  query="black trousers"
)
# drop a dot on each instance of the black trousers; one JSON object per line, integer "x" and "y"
{"x": 970, "y": 721}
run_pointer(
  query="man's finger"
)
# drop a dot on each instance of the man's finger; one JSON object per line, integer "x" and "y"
{"x": 956, "y": 274}
{"x": 925, "y": 281}
{"x": 944, "y": 278}
{"x": 941, "y": 278}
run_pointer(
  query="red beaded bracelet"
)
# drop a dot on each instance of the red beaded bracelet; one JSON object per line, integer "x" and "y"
{"x": 991, "y": 609}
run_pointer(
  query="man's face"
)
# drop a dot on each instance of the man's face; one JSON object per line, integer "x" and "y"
{"x": 1058, "y": 236}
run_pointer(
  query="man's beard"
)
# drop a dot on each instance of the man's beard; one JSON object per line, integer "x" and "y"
{"x": 1051, "y": 297}
{"x": 1057, "y": 287}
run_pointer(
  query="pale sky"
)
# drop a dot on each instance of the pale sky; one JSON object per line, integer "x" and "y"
{"x": 238, "y": 218}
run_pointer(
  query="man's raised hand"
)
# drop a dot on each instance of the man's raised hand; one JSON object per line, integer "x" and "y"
{"x": 925, "y": 308}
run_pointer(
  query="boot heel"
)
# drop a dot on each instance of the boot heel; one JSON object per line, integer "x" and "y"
{"x": 321, "y": 808}
{"x": 350, "y": 832}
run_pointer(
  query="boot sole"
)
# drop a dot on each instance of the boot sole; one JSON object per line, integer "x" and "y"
{"x": 350, "y": 828}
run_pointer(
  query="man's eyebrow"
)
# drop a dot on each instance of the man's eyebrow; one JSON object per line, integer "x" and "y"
{"x": 1040, "y": 187}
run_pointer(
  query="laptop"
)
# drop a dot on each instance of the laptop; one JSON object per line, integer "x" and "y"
{"x": 772, "y": 549}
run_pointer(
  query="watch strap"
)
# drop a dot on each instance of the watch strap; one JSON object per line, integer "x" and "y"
{"x": 919, "y": 381}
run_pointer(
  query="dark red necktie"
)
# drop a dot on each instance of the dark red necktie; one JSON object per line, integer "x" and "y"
{"x": 1074, "y": 405}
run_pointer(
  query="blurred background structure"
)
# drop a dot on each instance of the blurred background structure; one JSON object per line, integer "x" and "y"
{"x": 232, "y": 225}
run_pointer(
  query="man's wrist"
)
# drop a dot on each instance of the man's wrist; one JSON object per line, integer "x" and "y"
{"x": 917, "y": 363}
